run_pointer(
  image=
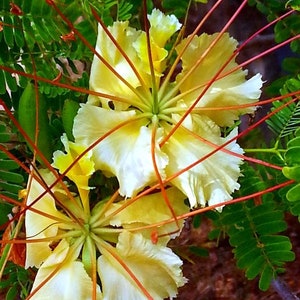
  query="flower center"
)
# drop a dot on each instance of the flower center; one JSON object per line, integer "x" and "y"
{"x": 159, "y": 109}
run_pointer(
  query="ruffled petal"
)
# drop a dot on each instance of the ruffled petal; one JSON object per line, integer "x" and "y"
{"x": 158, "y": 54}
{"x": 157, "y": 211}
{"x": 70, "y": 281}
{"x": 222, "y": 96}
{"x": 82, "y": 170}
{"x": 102, "y": 79}
{"x": 212, "y": 180}
{"x": 134, "y": 44}
{"x": 156, "y": 267}
{"x": 37, "y": 225}
{"x": 125, "y": 153}
{"x": 162, "y": 26}
{"x": 232, "y": 89}
{"x": 92, "y": 122}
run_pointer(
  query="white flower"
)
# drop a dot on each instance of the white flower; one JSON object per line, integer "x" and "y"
{"x": 134, "y": 123}
{"x": 74, "y": 248}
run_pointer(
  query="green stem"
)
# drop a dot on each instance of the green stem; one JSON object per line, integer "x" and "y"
{"x": 265, "y": 150}
{"x": 274, "y": 150}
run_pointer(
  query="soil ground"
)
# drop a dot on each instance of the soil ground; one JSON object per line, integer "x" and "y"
{"x": 217, "y": 277}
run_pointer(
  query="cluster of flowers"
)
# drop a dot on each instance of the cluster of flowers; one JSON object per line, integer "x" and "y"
{"x": 147, "y": 130}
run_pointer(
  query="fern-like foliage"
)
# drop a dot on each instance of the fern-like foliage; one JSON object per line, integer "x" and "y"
{"x": 253, "y": 234}
{"x": 285, "y": 28}
{"x": 111, "y": 10}
{"x": 11, "y": 181}
{"x": 285, "y": 122}
{"x": 38, "y": 40}
{"x": 252, "y": 228}
{"x": 258, "y": 248}
{"x": 292, "y": 171}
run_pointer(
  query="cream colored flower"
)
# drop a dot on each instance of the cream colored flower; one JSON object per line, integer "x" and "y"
{"x": 126, "y": 152}
{"x": 70, "y": 246}
{"x": 134, "y": 121}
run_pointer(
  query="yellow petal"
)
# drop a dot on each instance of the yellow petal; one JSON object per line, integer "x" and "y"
{"x": 134, "y": 44}
{"x": 214, "y": 179}
{"x": 162, "y": 27}
{"x": 156, "y": 267}
{"x": 82, "y": 170}
{"x": 158, "y": 54}
{"x": 104, "y": 80}
{"x": 37, "y": 225}
{"x": 232, "y": 89}
{"x": 157, "y": 211}
{"x": 70, "y": 281}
